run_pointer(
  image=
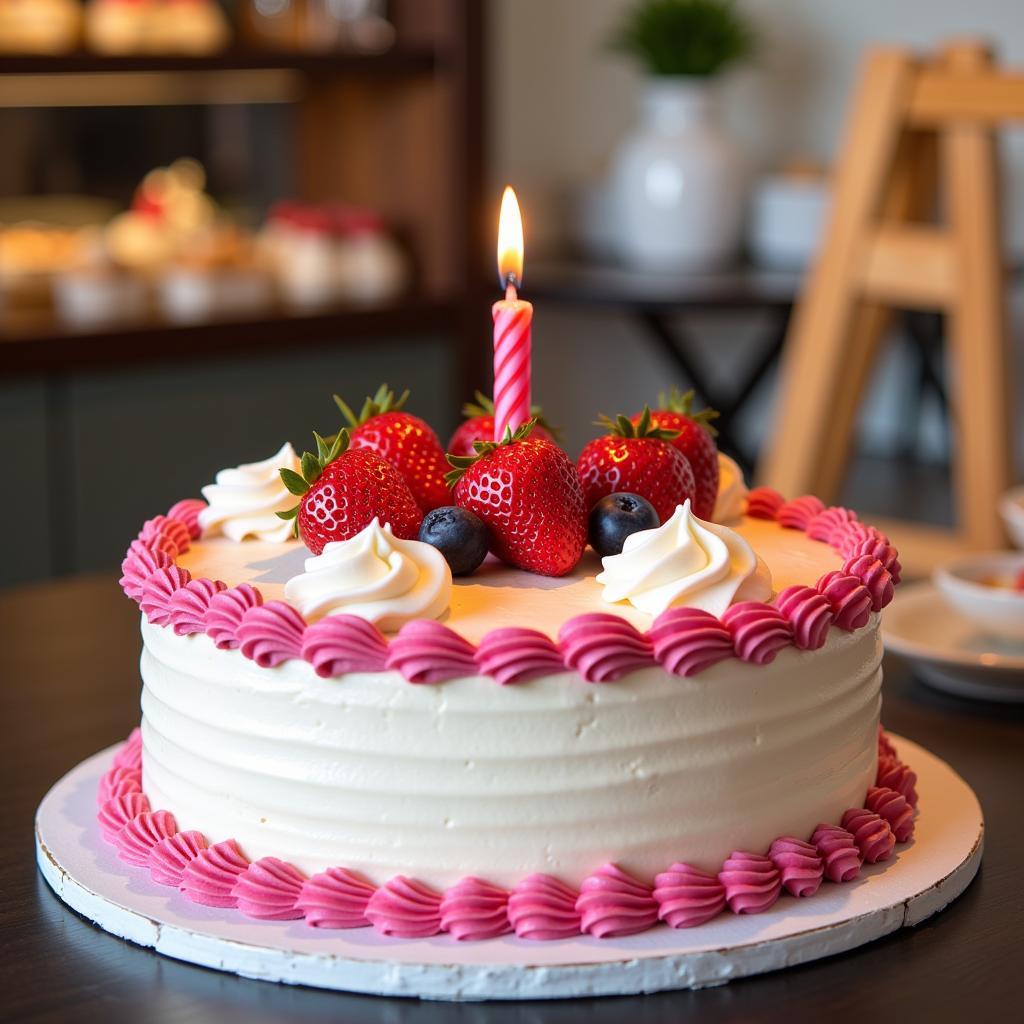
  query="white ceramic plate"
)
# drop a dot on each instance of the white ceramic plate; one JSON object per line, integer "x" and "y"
{"x": 948, "y": 650}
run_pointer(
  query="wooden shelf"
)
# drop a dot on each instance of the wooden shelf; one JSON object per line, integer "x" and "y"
{"x": 43, "y": 344}
{"x": 399, "y": 62}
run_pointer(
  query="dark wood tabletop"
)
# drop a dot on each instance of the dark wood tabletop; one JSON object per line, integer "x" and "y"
{"x": 69, "y": 686}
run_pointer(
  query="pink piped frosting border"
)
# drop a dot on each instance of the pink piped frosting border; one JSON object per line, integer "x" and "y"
{"x": 599, "y": 646}
{"x": 609, "y": 903}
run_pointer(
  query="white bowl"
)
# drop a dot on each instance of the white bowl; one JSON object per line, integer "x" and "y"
{"x": 1011, "y": 508}
{"x": 996, "y": 610}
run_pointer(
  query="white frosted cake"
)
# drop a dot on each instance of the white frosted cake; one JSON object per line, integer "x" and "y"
{"x": 465, "y": 776}
{"x": 340, "y": 730}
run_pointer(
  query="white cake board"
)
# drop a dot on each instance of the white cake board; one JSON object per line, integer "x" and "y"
{"x": 924, "y": 876}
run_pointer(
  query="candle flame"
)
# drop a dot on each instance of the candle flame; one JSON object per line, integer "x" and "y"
{"x": 510, "y": 240}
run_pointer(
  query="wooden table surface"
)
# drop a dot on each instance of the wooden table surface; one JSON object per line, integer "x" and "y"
{"x": 69, "y": 685}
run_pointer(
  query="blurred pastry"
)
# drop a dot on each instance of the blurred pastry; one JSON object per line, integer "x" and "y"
{"x": 99, "y": 296}
{"x": 219, "y": 276}
{"x": 194, "y": 27}
{"x": 39, "y": 26}
{"x": 169, "y": 212}
{"x": 117, "y": 27}
{"x": 191, "y": 27}
{"x": 32, "y": 253}
{"x": 333, "y": 253}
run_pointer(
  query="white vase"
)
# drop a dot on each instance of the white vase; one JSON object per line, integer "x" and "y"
{"x": 677, "y": 182}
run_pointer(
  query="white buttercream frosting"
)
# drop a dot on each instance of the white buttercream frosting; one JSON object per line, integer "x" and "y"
{"x": 383, "y": 777}
{"x": 468, "y": 778}
{"x": 731, "y": 502}
{"x": 376, "y": 576}
{"x": 243, "y": 501}
{"x": 685, "y": 561}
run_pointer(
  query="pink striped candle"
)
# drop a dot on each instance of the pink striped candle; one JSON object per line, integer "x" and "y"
{"x": 512, "y": 319}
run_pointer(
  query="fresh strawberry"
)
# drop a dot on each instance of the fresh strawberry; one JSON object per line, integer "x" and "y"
{"x": 638, "y": 458}
{"x": 527, "y": 492}
{"x": 1018, "y": 583}
{"x": 342, "y": 489}
{"x": 479, "y": 426}
{"x": 695, "y": 438}
{"x": 404, "y": 440}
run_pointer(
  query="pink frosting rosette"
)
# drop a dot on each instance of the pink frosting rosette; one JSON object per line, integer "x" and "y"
{"x": 339, "y": 644}
{"x": 139, "y": 564}
{"x": 875, "y": 577}
{"x": 798, "y": 513}
{"x": 158, "y": 589}
{"x": 138, "y": 836}
{"x": 405, "y": 908}
{"x": 687, "y": 896}
{"x": 271, "y": 634}
{"x": 224, "y": 614}
{"x": 268, "y": 890}
{"x": 335, "y": 898}
{"x": 871, "y": 833}
{"x": 542, "y": 907}
{"x": 427, "y": 652}
{"x": 688, "y": 640}
{"x": 209, "y": 878}
{"x": 162, "y": 530}
{"x": 187, "y": 512}
{"x": 752, "y": 882}
{"x": 473, "y": 909}
{"x": 188, "y": 606}
{"x": 809, "y": 614}
{"x": 603, "y": 647}
{"x": 849, "y": 598}
{"x": 116, "y": 812}
{"x": 515, "y": 655}
{"x": 799, "y": 865}
{"x": 894, "y": 774}
{"x": 823, "y": 526}
{"x": 120, "y": 780}
{"x": 169, "y": 857}
{"x": 764, "y": 503}
{"x": 895, "y": 808}
{"x": 613, "y": 903}
{"x": 759, "y": 631}
{"x": 840, "y": 857}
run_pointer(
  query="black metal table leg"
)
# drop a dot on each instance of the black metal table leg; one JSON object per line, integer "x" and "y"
{"x": 673, "y": 342}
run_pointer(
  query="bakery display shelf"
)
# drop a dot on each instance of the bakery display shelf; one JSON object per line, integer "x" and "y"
{"x": 44, "y": 344}
{"x": 403, "y": 61}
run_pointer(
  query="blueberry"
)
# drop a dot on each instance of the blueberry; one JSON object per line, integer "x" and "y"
{"x": 459, "y": 535}
{"x": 615, "y": 517}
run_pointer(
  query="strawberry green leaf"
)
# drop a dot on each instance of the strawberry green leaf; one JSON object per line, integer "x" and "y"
{"x": 383, "y": 400}
{"x": 294, "y": 482}
{"x": 622, "y": 426}
{"x": 349, "y": 415}
{"x": 460, "y": 463}
{"x": 682, "y": 403}
{"x": 288, "y": 513}
{"x": 483, "y": 406}
{"x": 322, "y": 449}
{"x": 311, "y": 468}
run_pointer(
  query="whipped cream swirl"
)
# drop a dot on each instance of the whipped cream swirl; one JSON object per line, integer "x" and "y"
{"x": 376, "y": 576}
{"x": 686, "y": 561}
{"x": 243, "y": 500}
{"x": 731, "y": 502}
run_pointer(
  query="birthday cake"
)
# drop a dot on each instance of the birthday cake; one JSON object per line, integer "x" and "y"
{"x": 491, "y": 690}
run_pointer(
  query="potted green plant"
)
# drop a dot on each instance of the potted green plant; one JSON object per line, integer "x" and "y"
{"x": 677, "y": 181}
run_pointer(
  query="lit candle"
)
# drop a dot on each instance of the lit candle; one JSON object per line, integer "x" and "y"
{"x": 512, "y": 319}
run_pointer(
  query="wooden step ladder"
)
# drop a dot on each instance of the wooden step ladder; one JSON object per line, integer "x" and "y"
{"x": 915, "y": 224}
